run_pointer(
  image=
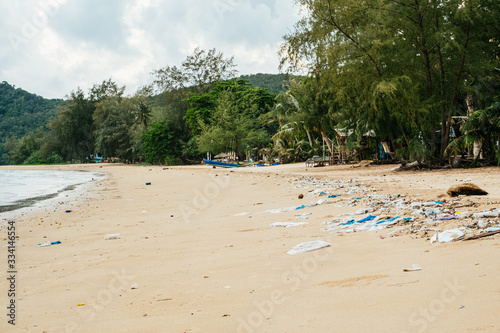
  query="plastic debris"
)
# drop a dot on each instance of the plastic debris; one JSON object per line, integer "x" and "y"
{"x": 413, "y": 268}
{"x": 286, "y": 224}
{"x": 112, "y": 236}
{"x": 308, "y": 246}
{"x": 49, "y": 243}
{"x": 242, "y": 214}
{"x": 447, "y": 236}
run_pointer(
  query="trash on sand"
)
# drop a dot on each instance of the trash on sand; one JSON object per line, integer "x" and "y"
{"x": 414, "y": 267}
{"x": 49, "y": 243}
{"x": 134, "y": 286}
{"x": 68, "y": 211}
{"x": 81, "y": 304}
{"x": 308, "y": 246}
{"x": 112, "y": 236}
{"x": 447, "y": 236}
{"x": 241, "y": 214}
{"x": 148, "y": 183}
{"x": 446, "y": 218}
{"x": 286, "y": 224}
{"x": 485, "y": 234}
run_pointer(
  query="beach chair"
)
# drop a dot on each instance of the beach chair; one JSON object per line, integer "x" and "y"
{"x": 388, "y": 153}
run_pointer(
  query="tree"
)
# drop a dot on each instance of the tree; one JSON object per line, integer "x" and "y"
{"x": 199, "y": 70}
{"x": 160, "y": 144}
{"x": 399, "y": 67}
{"x": 234, "y": 123}
{"x": 74, "y": 128}
{"x": 115, "y": 127}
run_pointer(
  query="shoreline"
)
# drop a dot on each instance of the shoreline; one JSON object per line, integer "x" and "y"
{"x": 190, "y": 260}
{"x": 33, "y": 205}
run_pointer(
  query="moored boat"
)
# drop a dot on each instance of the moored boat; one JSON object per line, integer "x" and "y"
{"x": 220, "y": 164}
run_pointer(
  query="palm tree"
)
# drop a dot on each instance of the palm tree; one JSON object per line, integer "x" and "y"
{"x": 144, "y": 113}
{"x": 482, "y": 126}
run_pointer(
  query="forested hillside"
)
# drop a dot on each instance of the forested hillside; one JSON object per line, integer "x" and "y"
{"x": 271, "y": 82}
{"x": 22, "y": 112}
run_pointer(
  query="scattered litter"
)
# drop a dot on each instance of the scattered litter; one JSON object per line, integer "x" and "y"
{"x": 287, "y": 224}
{"x": 148, "y": 183}
{"x": 447, "y": 236}
{"x": 304, "y": 216}
{"x": 68, "y": 211}
{"x": 81, "y": 304}
{"x": 241, "y": 214}
{"x": 227, "y": 287}
{"x": 414, "y": 215}
{"x": 49, "y": 243}
{"x": 308, "y": 246}
{"x": 486, "y": 234}
{"x": 112, "y": 236}
{"x": 134, "y": 286}
{"x": 414, "y": 267}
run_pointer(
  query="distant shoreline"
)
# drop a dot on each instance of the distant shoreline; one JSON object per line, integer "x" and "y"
{"x": 45, "y": 201}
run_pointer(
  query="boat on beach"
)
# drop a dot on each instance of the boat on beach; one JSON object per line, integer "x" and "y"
{"x": 220, "y": 164}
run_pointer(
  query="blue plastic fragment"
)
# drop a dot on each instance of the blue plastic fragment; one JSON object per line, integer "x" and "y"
{"x": 366, "y": 219}
{"x": 333, "y": 196}
{"x": 388, "y": 220}
{"x": 349, "y": 223}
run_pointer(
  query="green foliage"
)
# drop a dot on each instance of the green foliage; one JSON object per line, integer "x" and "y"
{"x": 21, "y": 149}
{"x": 399, "y": 68}
{"x": 54, "y": 158}
{"x": 199, "y": 70}
{"x": 160, "y": 144}
{"x": 33, "y": 159}
{"x": 483, "y": 127}
{"x": 74, "y": 127}
{"x": 227, "y": 117}
{"x": 21, "y": 113}
{"x": 274, "y": 83}
{"x": 115, "y": 122}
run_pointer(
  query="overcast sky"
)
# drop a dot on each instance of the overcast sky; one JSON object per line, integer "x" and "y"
{"x": 51, "y": 47}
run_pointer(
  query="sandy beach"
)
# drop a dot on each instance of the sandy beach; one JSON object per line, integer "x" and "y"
{"x": 196, "y": 254}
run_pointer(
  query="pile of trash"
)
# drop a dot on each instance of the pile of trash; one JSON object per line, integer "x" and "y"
{"x": 440, "y": 221}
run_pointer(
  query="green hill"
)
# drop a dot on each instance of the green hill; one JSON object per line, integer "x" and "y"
{"x": 22, "y": 112}
{"x": 272, "y": 82}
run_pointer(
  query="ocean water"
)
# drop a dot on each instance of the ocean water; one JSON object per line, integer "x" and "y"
{"x": 24, "y": 188}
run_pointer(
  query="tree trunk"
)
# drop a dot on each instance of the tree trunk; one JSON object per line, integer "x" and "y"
{"x": 470, "y": 110}
{"x": 328, "y": 143}
{"x": 445, "y": 127}
{"x": 309, "y": 137}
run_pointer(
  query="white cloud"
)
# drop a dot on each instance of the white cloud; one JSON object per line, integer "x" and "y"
{"x": 68, "y": 44}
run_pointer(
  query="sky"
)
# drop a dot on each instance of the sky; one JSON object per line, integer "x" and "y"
{"x": 53, "y": 47}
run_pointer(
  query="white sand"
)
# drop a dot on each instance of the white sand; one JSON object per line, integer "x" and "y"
{"x": 199, "y": 268}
